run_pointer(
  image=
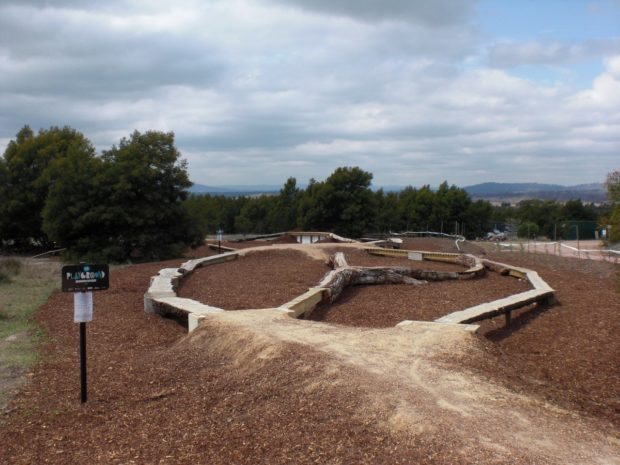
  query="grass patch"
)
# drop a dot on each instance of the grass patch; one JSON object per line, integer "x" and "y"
{"x": 9, "y": 268}
{"x": 24, "y": 286}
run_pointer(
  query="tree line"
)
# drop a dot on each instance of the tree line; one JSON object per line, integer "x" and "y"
{"x": 345, "y": 204}
{"x": 132, "y": 201}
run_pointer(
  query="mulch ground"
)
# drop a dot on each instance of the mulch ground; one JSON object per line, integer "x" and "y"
{"x": 568, "y": 353}
{"x": 552, "y": 351}
{"x": 260, "y": 279}
{"x": 382, "y": 306}
{"x": 156, "y": 398}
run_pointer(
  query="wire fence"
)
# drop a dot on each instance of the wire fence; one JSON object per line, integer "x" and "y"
{"x": 586, "y": 250}
{"x": 457, "y": 237}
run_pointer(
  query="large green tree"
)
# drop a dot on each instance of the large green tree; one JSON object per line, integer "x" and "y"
{"x": 146, "y": 182}
{"x": 26, "y": 179}
{"x": 126, "y": 204}
{"x": 343, "y": 203}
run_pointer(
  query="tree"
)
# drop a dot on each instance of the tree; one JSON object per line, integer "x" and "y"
{"x": 146, "y": 182}
{"x": 72, "y": 215}
{"x": 613, "y": 194}
{"x": 283, "y": 210}
{"x": 612, "y": 184}
{"x": 387, "y": 216}
{"x": 343, "y": 203}
{"x": 528, "y": 230}
{"x": 127, "y": 204}
{"x": 477, "y": 219}
{"x": 26, "y": 179}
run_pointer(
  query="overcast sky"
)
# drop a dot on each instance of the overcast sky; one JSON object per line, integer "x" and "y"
{"x": 415, "y": 92}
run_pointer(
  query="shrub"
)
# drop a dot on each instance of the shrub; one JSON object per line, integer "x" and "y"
{"x": 528, "y": 230}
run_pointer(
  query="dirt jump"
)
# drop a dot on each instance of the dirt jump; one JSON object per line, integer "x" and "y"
{"x": 347, "y": 387}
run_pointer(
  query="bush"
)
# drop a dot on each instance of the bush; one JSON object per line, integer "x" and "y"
{"x": 528, "y": 230}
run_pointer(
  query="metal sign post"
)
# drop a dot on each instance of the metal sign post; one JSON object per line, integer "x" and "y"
{"x": 82, "y": 280}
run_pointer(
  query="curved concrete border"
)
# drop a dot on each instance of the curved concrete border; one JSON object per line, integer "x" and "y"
{"x": 162, "y": 298}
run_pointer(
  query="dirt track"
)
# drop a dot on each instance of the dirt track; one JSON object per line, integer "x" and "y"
{"x": 241, "y": 390}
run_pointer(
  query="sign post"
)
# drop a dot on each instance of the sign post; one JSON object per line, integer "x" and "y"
{"x": 219, "y": 233}
{"x": 82, "y": 280}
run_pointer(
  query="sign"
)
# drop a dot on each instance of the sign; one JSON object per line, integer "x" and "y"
{"x": 85, "y": 278}
{"x": 82, "y": 307}
{"x": 417, "y": 256}
{"x": 82, "y": 279}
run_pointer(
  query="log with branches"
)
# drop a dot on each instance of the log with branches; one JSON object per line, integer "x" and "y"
{"x": 344, "y": 275}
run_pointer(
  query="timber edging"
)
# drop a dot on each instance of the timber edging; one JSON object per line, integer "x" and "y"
{"x": 542, "y": 293}
{"x": 161, "y": 296}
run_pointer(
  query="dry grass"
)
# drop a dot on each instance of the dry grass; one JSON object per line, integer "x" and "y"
{"x": 24, "y": 286}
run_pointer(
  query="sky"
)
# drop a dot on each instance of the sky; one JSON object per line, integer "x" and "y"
{"x": 256, "y": 91}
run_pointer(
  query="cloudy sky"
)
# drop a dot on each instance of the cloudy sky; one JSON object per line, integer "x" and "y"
{"x": 414, "y": 91}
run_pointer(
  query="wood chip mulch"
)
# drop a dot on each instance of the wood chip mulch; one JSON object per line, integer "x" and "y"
{"x": 156, "y": 398}
{"x": 261, "y": 279}
{"x": 382, "y": 306}
{"x": 568, "y": 353}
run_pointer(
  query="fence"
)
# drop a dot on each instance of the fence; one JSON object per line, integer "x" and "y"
{"x": 575, "y": 249}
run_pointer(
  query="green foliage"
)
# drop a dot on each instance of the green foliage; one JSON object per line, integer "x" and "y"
{"x": 613, "y": 194}
{"x": 125, "y": 204}
{"x": 528, "y": 230}
{"x": 343, "y": 203}
{"x": 283, "y": 215}
{"x": 548, "y": 215}
{"x": 613, "y": 186}
{"x": 145, "y": 183}
{"x": 614, "y": 222}
{"x": 25, "y": 177}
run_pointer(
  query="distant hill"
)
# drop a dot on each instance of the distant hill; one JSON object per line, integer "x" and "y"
{"x": 514, "y": 192}
{"x": 233, "y": 190}
{"x": 492, "y": 191}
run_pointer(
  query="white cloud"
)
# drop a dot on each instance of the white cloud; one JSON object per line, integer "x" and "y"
{"x": 289, "y": 88}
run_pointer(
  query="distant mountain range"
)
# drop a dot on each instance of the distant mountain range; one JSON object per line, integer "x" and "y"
{"x": 514, "y": 192}
{"x": 492, "y": 191}
{"x": 234, "y": 191}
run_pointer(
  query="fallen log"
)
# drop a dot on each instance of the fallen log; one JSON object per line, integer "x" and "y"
{"x": 344, "y": 275}
{"x": 335, "y": 281}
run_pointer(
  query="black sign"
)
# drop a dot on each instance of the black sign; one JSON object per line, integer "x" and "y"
{"x": 85, "y": 278}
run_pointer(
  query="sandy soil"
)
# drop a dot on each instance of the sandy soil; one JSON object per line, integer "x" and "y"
{"x": 257, "y": 387}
